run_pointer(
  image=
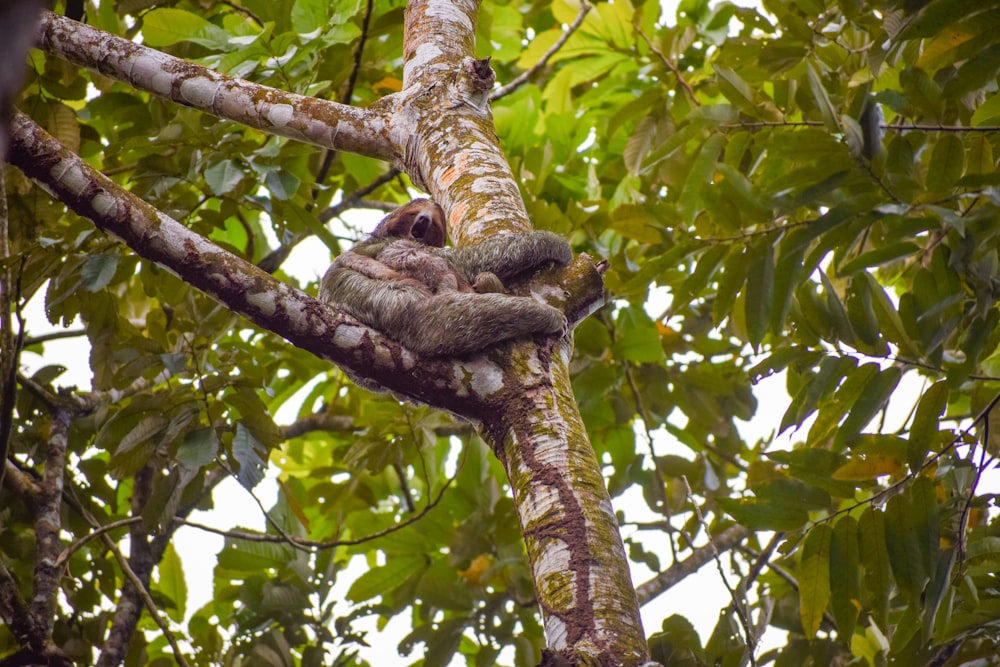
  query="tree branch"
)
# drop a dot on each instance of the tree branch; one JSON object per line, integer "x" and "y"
{"x": 470, "y": 178}
{"x": 679, "y": 570}
{"x": 308, "y": 119}
{"x": 248, "y": 291}
{"x": 240, "y": 286}
{"x": 48, "y": 521}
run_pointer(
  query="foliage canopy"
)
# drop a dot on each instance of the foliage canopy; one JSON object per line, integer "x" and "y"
{"x": 813, "y": 182}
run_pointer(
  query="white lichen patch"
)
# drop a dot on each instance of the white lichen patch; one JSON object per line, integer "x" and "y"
{"x": 425, "y": 54}
{"x": 485, "y": 378}
{"x": 296, "y": 312}
{"x": 488, "y": 185}
{"x": 279, "y": 115}
{"x": 545, "y": 292}
{"x": 565, "y": 352}
{"x": 608, "y": 509}
{"x": 264, "y": 302}
{"x": 200, "y": 91}
{"x": 534, "y": 365}
{"x": 554, "y": 558}
{"x": 348, "y": 336}
{"x": 147, "y": 71}
{"x": 383, "y": 357}
{"x": 105, "y": 204}
{"x": 555, "y": 632}
{"x": 447, "y": 10}
{"x": 543, "y": 499}
{"x": 70, "y": 175}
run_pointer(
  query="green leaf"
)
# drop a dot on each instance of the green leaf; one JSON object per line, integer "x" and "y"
{"x": 814, "y": 578}
{"x": 981, "y": 160}
{"x": 976, "y": 73}
{"x": 164, "y": 26}
{"x": 869, "y": 402}
{"x": 822, "y": 99}
{"x": 879, "y": 256}
{"x": 926, "y": 520}
{"x": 787, "y": 276}
{"x": 699, "y": 175}
{"x": 922, "y": 92}
{"x": 862, "y": 317}
{"x": 820, "y": 385}
{"x": 292, "y": 212}
{"x": 845, "y": 570}
{"x": 833, "y": 411}
{"x": 736, "y": 90}
{"x": 199, "y": 448}
{"x": 875, "y": 560}
{"x": 839, "y": 319}
{"x": 249, "y": 453}
{"x": 282, "y": 184}
{"x": 760, "y": 292}
{"x": 947, "y": 163}
{"x": 97, "y": 272}
{"x": 223, "y": 176}
{"x": 903, "y": 544}
{"x": 792, "y": 492}
{"x": 638, "y": 338}
{"x": 937, "y": 590}
{"x": 888, "y": 319}
{"x": 172, "y": 584}
{"x": 309, "y": 17}
{"x": 759, "y": 515}
{"x": 925, "y": 429}
{"x": 988, "y": 113}
{"x": 386, "y": 578}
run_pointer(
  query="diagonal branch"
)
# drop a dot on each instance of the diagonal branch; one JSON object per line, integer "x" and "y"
{"x": 308, "y": 119}
{"x": 526, "y": 75}
{"x": 248, "y": 291}
{"x": 677, "y": 572}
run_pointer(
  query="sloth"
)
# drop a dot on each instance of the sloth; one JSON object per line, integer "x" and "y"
{"x": 440, "y": 301}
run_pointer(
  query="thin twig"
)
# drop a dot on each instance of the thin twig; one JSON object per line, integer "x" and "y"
{"x": 523, "y": 78}
{"x": 133, "y": 578}
{"x": 276, "y": 257}
{"x": 55, "y": 335}
{"x": 899, "y": 127}
{"x": 147, "y": 600}
{"x": 73, "y": 548}
{"x": 317, "y": 545}
{"x": 670, "y": 65}
{"x": 354, "y": 199}
{"x": 661, "y": 484}
{"x": 243, "y": 10}
{"x": 739, "y": 606}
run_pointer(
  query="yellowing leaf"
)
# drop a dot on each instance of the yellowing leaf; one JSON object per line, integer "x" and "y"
{"x": 478, "y": 569}
{"x": 869, "y": 468}
{"x": 63, "y": 125}
{"x": 386, "y": 85}
{"x": 814, "y": 579}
